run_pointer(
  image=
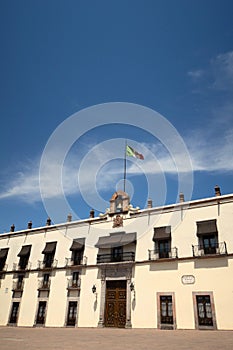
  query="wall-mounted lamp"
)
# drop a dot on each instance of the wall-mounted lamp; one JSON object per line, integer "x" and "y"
{"x": 131, "y": 286}
{"x": 94, "y": 289}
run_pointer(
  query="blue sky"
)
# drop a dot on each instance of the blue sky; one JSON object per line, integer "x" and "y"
{"x": 60, "y": 57}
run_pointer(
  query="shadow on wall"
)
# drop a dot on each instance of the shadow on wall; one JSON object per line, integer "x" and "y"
{"x": 211, "y": 263}
{"x": 163, "y": 266}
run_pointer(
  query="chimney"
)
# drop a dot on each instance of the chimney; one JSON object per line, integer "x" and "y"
{"x": 149, "y": 203}
{"x": 181, "y": 196}
{"x": 69, "y": 217}
{"x": 48, "y": 222}
{"x": 217, "y": 191}
{"x": 92, "y": 213}
{"x": 29, "y": 225}
{"x": 12, "y": 228}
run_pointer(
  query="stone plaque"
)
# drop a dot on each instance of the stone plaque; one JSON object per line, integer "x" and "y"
{"x": 188, "y": 279}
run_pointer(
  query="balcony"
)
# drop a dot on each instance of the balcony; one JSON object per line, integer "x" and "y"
{"x": 109, "y": 258}
{"x": 157, "y": 254}
{"x": 212, "y": 249}
{"x": 43, "y": 265}
{"x": 73, "y": 284}
{"x": 17, "y": 286}
{"x": 71, "y": 262}
{"x": 44, "y": 285}
{"x": 22, "y": 267}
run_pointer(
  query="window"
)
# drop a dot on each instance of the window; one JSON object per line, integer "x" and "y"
{"x": 14, "y": 313}
{"x": 24, "y": 256}
{"x": 3, "y": 257}
{"x": 204, "y": 310}
{"x": 49, "y": 252}
{"x": 208, "y": 236}
{"x": 72, "y": 313}
{"x": 40, "y": 319}
{"x": 117, "y": 253}
{"x": 20, "y": 281}
{"x": 48, "y": 260}
{"x": 166, "y": 310}
{"x": 75, "y": 279}
{"x": 209, "y": 244}
{"x": 162, "y": 239}
{"x": 77, "y": 249}
{"x": 46, "y": 280}
{"x": 23, "y": 262}
{"x": 164, "y": 247}
{"x": 77, "y": 256}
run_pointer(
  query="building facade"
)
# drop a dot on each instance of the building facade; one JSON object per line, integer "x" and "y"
{"x": 167, "y": 267}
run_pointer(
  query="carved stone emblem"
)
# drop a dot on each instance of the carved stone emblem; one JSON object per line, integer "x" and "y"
{"x": 118, "y": 221}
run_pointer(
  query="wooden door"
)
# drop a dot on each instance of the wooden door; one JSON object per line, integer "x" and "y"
{"x": 166, "y": 309}
{"x": 14, "y": 313}
{"x": 115, "y": 310}
{"x": 41, "y": 313}
{"x": 204, "y": 310}
{"x": 72, "y": 313}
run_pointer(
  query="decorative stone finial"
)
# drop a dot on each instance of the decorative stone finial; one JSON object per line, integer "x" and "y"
{"x": 92, "y": 213}
{"x": 181, "y": 196}
{"x": 48, "y": 222}
{"x": 69, "y": 217}
{"x": 149, "y": 203}
{"x": 217, "y": 191}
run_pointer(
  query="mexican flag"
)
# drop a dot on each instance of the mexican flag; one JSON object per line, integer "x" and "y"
{"x": 132, "y": 153}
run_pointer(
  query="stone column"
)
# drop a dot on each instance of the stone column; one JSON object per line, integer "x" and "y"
{"x": 102, "y": 301}
{"x": 128, "y": 323}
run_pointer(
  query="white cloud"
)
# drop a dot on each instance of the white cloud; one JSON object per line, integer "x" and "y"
{"x": 211, "y": 147}
{"x": 222, "y": 68}
{"x": 218, "y": 75}
{"x": 209, "y": 153}
{"x": 196, "y": 74}
{"x": 25, "y": 185}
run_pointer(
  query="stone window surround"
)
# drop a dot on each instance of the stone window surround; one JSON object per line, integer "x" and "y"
{"x": 210, "y": 294}
{"x": 159, "y": 324}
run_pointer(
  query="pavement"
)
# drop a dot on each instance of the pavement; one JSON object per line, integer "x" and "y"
{"x": 17, "y": 338}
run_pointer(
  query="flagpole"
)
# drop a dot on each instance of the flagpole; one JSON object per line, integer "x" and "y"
{"x": 125, "y": 165}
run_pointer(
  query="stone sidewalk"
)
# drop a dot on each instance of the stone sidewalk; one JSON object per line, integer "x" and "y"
{"x": 16, "y": 338}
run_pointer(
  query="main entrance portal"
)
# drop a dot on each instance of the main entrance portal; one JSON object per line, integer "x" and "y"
{"x": 115, "y": 306}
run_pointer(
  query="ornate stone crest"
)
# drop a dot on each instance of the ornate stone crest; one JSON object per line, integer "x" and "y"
{"x": 118, "y": 221}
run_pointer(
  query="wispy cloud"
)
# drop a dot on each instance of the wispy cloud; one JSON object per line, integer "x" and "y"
{"x": 210, "y": 148}
{"x": 217, "y": 75}
{"x": 209, "y": 154}
{"x": 196, "y": 74}
{"x": 222, "y": 68}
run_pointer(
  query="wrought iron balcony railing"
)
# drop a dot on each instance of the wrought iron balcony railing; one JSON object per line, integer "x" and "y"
{"x": 19, "y": 267}
{"x": 47, "y": 264}
{"x": 70, "y": 262}
{"x": 44, "y": 285}
{"x": 212, "y": 249}
{"x": 74, "y": 284}
{"x": 17, "y": 286}
{"x": 157, "y": 254}
{"x": 121, "y": 257}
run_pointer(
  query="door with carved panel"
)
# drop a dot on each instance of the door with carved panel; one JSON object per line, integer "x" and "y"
{"x": 115, "y": 309}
